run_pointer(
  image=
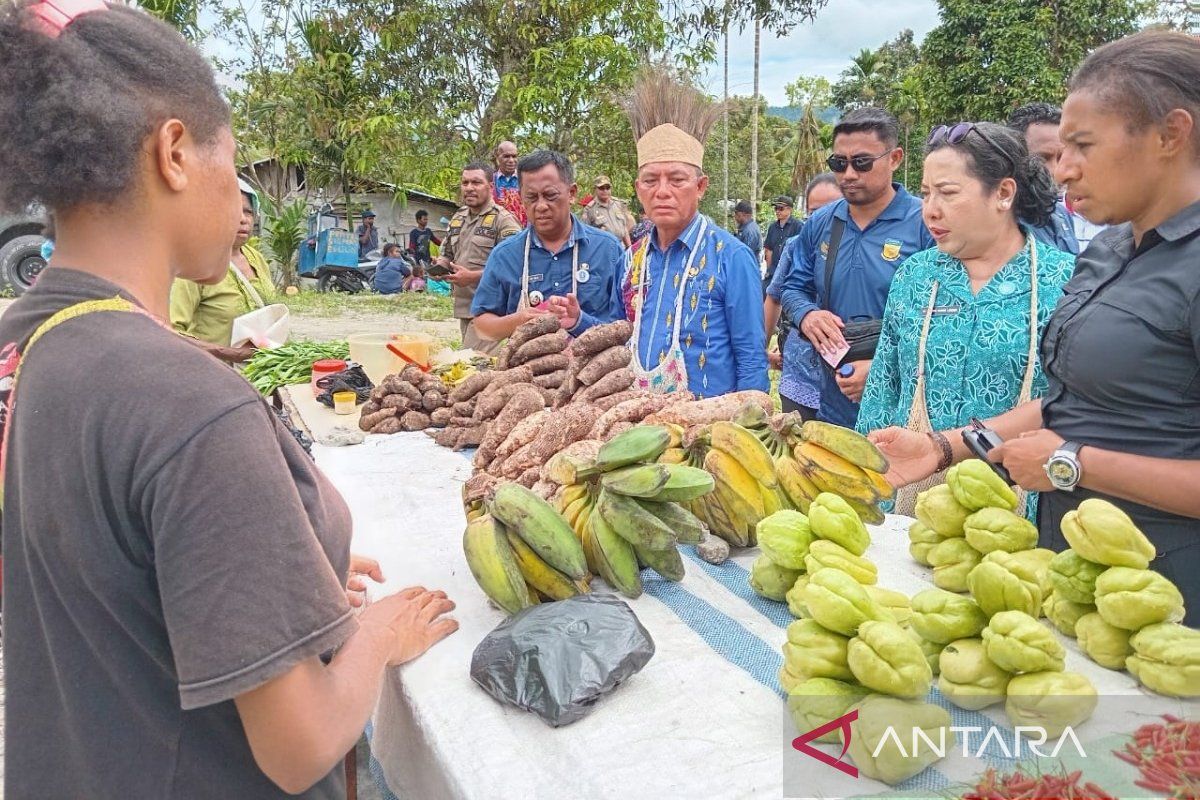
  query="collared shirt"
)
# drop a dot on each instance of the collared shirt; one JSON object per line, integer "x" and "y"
{"x": 612, "y": 216}
{"x": 749, "y": 235}
{"x": 777, "y": 236}
{"x": 721, "y": 333}
{"x": 800, "y": 380}
{"x": 503, "y": 183}
{"x": 600, "y": 255}
{"x": 470, "y": 240}
{"x": 977, "y": 351}
{"x": 867, "y": 259}
{"x": 372, "y": 242}
{"x": 207, "y": 312}
{"x": 1059, "y": 230}
{"x": 1122, "y": 354}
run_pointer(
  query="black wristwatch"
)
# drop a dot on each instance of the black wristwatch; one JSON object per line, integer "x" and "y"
{"x": 1063, "y": 468}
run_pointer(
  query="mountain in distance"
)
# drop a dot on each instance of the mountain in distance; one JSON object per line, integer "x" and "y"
{"x": 793, "y": 113}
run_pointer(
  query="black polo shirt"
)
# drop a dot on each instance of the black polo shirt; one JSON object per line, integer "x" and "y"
{"x": 1122, "y": 357}
{"x": 777, "y": 236}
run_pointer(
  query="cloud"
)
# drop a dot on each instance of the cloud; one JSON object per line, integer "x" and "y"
{"x": 823, "y": 47}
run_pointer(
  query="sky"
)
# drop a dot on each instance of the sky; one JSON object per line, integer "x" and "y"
{"x": 824, "y": 47}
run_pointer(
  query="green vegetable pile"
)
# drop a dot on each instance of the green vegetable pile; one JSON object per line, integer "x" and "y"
{"x": 267, "y": 370}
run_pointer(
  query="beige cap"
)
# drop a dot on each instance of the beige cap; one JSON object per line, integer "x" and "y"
{"x": 669, "y": 143}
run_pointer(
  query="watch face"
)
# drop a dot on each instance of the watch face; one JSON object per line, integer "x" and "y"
{"x": 1062, "y": 472}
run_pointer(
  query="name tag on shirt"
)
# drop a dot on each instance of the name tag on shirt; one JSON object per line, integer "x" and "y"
{"x": 536, "y": 278}
{"x": 943, "y": 311}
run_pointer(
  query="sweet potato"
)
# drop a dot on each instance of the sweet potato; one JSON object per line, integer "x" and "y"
{"x": 601, "y": 337}
{"x": 398, "y": 402}
{"x": 472, "y": 385}
{"x": 477, "y": 487}
{"x": 525, "y": 432}
{"x": 471, "y": 437}
{"x": 554, "y": 362}
{"x": 464, "y": 409}
{"x": 549, "y": 396}
{"x": 447, "y": 437}
{"x": 431, "y": 383}
{"x": 614, "y": 400}
{"x": 370, "y": 407}
{"x": 414, "y": 421}
{"x": 578, "y": 363}
{"x": 441, "y": 416}
{"x": 538, "y": 326}
{"x": 613, "y": 382}
{"x": 551, "y": 380}
{"x": 368, "y": 421}
{"x": 565, "y": 392}
{"x": 617, "y": 429}
{"x": 390, "y": 425}
{"x": 544, "y": 489}
{"x": 394, "y": 386}
{"x": 462, "y": 422}
{"x": 528, "y": 478}
{"x": 502, "y": 356}
{"x": 541, "y": 346}
{"x": 601, "y": 364}
{"x": 489, "y": 405}
{"x": 633, "y": 410}
{"x": 432, "y": 400}
{"x": 522, "y": 374}
{"x": 584, "y": 449}
{"x": 412, "y": 374}
{"x": 526, "y": 402}
{"x": 712, "y": 409}
{"x": 570, "y": 425}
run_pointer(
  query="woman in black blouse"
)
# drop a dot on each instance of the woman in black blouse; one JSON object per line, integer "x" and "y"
{"x": 1121, "y": 419}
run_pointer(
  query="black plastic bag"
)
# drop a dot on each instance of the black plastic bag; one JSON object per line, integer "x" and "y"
{"x": 352, "y": 379}
{"x": 558, "y": 659}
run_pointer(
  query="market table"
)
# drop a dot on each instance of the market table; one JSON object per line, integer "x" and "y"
{"x": 704, "y": 718}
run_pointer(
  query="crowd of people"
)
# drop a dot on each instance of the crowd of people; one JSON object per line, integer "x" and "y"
{"x": 148, "y": 597}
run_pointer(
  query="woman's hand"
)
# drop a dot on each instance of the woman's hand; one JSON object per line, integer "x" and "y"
{"x": 913, "y": 456}
{"x": 1025, "y": 458}
{"x": 415, "y": 620}
{"x": 361, "y": 567}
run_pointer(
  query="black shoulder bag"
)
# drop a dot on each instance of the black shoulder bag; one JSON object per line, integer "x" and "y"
{"x": 862, "y": 335}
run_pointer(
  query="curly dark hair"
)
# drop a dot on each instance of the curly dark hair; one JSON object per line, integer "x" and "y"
{"x": 76, "y": 109}
{"x": 1002, "y": 154}
{"x": 1034, "y": 114}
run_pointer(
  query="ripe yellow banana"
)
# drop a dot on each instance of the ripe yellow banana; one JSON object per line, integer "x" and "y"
{"x": 722, "y": 521}
{"x": 538, "y": 574}
{"x": 731, "y": 476}
{"x": 573, "y": 511}
{"x": 673, "y": 455}
{"x": 745, "y": 447}
{"x": 493, "y": 564}
{"x": 869, "y": 513}
{"x": 676, "y": 432}
{"x": 849, "y": 444}
{"x": 880, "y": 484}
{"x": 832, "y": 473}
{"x": 798, "y": 488}
{"x": 569, "y": 494}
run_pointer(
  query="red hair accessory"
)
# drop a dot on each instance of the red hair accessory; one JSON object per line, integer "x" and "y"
{"x": 56, "y": 15}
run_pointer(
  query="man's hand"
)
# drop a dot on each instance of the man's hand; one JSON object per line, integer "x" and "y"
{"x": 823, "y": 329}
{"x": 567, "y": 309}
{"x": 853, "y": 386}
{"x": 461, "y": 276}
{"x": 1025, "y": 458}
{"x": 361, "y": 567}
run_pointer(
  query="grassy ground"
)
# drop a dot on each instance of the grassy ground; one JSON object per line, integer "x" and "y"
{"x": 414, "y": 305}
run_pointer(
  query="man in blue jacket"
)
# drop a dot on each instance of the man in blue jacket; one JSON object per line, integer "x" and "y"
{"x": 874, "y": 228}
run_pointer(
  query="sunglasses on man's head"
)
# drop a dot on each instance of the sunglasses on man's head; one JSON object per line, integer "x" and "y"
{"x": 862, "y": 163}
{"x": 953, "y": 134}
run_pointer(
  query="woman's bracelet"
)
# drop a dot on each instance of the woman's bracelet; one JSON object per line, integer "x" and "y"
{"x": 947, "y": 457}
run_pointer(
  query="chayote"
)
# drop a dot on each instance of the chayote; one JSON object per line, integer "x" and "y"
{"x": 1101, "y": 532}
{"x": 922, "y": 539}
{"x": 952, "y": 561}
{"x": 937, "y": 510}
{"x": 824, "y": 553}
{"x": 1052, "y": 701}
{"x": 784, "y": 538}
{"x": 817, "y": 701}
{"x": 812, "y": 651}
{"x": 1016, "y": 642}
{"x": 1065, "y": 614}
{"x": 832, "y": 518}
{"x": 1166, "y": 659}
{"x": 839, "y": 602}
{"x": 885, "y": 658}
{"x": 895, "y": 603}
{"x": 990, "y": 529}
{"x": 795, "y": 599}
{"x": 771, "y": 580}
{"x": 1034, "y": 565}
{"x": 968, "y": 677}
{"x": 932, "y": 650}
{"x": 1000, "y": 583}
{"x": 1074, "y": 577}
{"x": 1105, "y": 644}
{"x": 976, "y": 485}
{"x": 1134, "y": 598}
{"x": 940, "y": 616}
{"x": 885, "y": 744}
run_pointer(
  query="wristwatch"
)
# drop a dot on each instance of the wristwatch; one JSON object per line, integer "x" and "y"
{"x": 1063, "y": 468}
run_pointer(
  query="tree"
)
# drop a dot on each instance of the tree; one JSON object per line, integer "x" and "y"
{"x": 985, "y": 59}
{"x": 182, "y": 15}
{"x": 809, "y": 90}
{"x": 873, "y": 75}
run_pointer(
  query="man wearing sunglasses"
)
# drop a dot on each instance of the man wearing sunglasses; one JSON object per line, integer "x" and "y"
{"x": 868, "y": 234}
{"x": 783, "y": 228}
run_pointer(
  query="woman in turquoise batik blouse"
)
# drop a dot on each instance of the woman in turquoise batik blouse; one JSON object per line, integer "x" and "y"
{"x": 971, "y": 298}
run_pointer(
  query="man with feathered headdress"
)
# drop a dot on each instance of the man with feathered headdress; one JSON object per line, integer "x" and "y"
{"x": 692, "y": 289}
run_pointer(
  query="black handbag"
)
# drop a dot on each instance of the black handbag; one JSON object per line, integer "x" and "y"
{"x": 861, "y": 334}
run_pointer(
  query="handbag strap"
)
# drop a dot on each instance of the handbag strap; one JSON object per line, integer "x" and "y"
{"x": 255, "y": 297}
{"x": 835, "y": 242}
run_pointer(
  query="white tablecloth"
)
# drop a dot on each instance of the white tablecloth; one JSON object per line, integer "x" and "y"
{"x": 691, "y": 724}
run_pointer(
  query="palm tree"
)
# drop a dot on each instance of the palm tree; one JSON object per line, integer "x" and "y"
{"x": 809, "y": 151}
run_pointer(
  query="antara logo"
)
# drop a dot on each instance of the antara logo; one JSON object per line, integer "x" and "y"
{"x": 801, "y": 743}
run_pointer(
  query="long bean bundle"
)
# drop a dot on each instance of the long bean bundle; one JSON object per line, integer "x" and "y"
{"x": 267, "y": 370}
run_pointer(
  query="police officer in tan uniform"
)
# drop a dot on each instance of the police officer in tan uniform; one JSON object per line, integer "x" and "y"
{"x": 474, "y": 230}
{"x": 608, "y": 213}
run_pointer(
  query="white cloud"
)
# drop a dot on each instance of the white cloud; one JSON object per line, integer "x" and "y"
{"x": 823, "y": 47}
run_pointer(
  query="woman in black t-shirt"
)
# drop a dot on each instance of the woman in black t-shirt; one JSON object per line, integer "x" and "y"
{"x": 1121, "y": 419}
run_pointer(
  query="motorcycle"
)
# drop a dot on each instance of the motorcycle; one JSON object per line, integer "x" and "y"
{"x": 351, "y": 280}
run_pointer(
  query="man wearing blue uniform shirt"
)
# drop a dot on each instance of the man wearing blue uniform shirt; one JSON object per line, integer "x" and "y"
{"x": 506, "y": 169}
{"x": 747, "y": 232}
{"x": 694, "y": 292}
{"x": 880, "y": 226}
{"x": 557, "y": 265}
{"x": 1039, "y": 123}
